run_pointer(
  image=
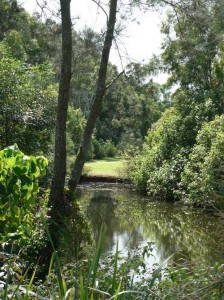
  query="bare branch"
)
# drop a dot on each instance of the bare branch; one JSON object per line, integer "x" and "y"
{"x": 100, "y": 6}
{"x": 118, "y": 51}
{"x": 43, "y": 6}
{"x": 112, "y": 82}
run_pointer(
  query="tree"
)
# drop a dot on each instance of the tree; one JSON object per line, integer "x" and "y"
{"x": 97, "y": 99}
{"x": 193, "y": 55}
{"x": 57, "y": 198}
{"x": 88, "y": 49}
{"x": 129, "y": 108}
{"x": 9, "y": 11}
{"x": 28, "y": 38}
{"x": 27, "y": 104}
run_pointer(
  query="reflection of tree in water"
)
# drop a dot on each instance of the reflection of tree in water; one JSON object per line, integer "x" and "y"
{"x": 185, "y": 232}
{"x": 190, "y": 232}
{"x": 101, "y": 210}
{"x": 173, "y": 229}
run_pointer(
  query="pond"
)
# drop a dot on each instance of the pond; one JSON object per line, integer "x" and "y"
{"x": 134, "y": 220}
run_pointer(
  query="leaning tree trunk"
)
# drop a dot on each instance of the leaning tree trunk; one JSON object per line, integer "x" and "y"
{"x": 57, "y": 199}
{"x": 96, "y": 102}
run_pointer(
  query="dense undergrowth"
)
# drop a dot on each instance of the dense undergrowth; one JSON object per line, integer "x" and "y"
{"x": 112, "y": 278}
{"x": 87, "y": 275}
{"x": 171, "y": 171}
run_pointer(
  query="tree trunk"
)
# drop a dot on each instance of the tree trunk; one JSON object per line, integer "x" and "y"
{"x": 57, "y": 199}
{"x": 96, "y": 102}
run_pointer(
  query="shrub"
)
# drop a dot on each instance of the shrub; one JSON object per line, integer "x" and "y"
{"x": 110, "y": 149}
{"x": 157, "y": 169}
{"x": 203, "y": 177}
{"x": 18, "y": 193}
{"x": 163, "y": 182}
{"x": 99, "y": 151}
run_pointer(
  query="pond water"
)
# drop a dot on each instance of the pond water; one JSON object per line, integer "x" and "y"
{"x": 134, "y": 221}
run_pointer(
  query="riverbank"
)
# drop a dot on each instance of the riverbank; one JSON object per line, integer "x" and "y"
{"x": 103, "y": 178}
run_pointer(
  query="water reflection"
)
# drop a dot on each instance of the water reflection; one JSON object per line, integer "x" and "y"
{"x": 134, "y": 220}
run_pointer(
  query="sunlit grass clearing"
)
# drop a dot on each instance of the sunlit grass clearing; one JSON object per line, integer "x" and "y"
{"x": 105, "y": 167}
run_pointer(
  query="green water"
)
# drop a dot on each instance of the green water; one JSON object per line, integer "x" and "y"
{"x": 133, "y": 221}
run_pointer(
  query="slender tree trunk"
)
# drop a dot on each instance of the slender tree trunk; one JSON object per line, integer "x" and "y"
{"x": 96, "y": 102}
{"x": 57, "y": 199}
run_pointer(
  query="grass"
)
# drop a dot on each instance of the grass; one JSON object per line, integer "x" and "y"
{"x": 90, "y": 279}
{"x": 60, "y": 285}
{"x": 111, "y": 166}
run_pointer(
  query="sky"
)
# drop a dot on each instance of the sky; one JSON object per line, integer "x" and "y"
{"x": 138, "y": 42}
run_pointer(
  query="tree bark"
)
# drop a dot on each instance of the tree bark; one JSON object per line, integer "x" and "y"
{"x": 57, "y": 199}
{"x": 96, "y": 102}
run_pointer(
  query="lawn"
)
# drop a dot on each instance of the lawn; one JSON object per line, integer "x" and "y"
{"x": 105, "y": 167}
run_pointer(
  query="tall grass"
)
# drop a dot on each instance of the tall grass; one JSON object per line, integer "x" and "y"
{"x": 91, "y": 281}
{"x": 55, "y": 287}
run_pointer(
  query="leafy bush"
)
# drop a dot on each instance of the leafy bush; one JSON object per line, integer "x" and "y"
{"x": 165, "y": 169}
{"x": 110, "y": 149}
{"x": 185, "y": 282}
{"x": 157, "y": 169}
{"x": 98, "y": 149}
{"x": 203, "y": 177}
{"x": 102, "y": 149}
{"x": 163, "y": 182}
{"x": 18, "y": 193}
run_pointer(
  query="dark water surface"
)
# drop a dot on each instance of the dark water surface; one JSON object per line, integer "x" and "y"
{"x": 134, "y": 220}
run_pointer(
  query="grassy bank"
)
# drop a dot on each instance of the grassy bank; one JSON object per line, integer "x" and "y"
{"x": 129, "y": 278}
{"x": 112, "y": 166}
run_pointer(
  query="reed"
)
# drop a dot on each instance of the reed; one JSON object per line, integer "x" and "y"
{"x": 90, "y": 283}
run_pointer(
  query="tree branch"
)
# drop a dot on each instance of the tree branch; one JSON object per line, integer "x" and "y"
{"x": 112, "y": 82}
{"x": 100, "y": 6}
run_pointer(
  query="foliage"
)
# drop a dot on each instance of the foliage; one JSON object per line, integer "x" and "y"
{"x": 75, "y": 127}
{"x": 18, "y": 193}
{"x": 160, "y": 164}
{"x": 110, "y": 279}
{"x": 103, "y": 149}
{"x": 202, "y": 178}
{"x": 180, "y": 282}
{"x": 129, "y": 109}
{"x": 115, "y": 277}
{"x": 8, "y": 12}
{"x": 98, "y": 149}
{"x": 165, "y": 167}
{"x": 27, "y": 104}
{"x": 27, "y": 36}
{"x": 193, "y": 55}
{"x": 110, "y": 149}
{"x": 88, "y": 46}
{"x": 162, "y": 183}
